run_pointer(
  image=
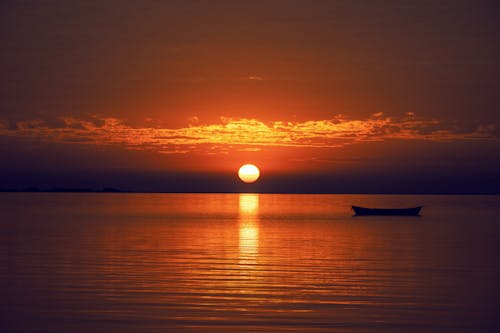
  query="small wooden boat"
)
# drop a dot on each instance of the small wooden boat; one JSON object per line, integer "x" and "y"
{"x": 414, "y": 211}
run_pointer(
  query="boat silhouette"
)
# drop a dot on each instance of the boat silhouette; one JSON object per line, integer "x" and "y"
{"x": 413, "y": 211}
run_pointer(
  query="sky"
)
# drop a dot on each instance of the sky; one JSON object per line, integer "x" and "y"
{"x": 324, "y": 96}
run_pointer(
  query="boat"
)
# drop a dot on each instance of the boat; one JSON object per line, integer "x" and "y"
{"x": 413, "y": 211}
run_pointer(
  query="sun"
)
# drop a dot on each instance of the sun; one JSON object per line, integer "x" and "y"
{"x": 249, "y": 173}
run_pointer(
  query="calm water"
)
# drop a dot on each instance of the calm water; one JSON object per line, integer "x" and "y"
{"x": 247, "y": 263}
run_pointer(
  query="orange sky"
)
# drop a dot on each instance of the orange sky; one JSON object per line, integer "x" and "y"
{"x": 205, "y": 86}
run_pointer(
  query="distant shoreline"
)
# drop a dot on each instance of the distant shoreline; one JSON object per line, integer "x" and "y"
{"x": 116, "y": 190}
{"x": 64, "y": 190}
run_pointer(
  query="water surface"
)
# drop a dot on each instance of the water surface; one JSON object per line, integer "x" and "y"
{"x": 247, "y": 263}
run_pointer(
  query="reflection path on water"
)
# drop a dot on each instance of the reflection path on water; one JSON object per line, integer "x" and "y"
{"x": 248, "y": 224}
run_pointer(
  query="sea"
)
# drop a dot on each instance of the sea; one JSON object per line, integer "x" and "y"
{"x": 124, "y": 262}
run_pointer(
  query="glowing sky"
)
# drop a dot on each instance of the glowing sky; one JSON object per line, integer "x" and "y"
{"x": 316, "y": 90}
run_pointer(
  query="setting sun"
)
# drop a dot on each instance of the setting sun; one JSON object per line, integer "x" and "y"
{"x": 249, "y": 173}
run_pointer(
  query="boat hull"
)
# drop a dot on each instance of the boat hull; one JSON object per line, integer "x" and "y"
{"x": 414, "y": 211}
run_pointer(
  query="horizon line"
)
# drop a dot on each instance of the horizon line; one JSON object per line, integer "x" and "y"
{"x": 120, "y": 191}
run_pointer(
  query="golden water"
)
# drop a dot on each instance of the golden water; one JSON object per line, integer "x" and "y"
{"x": 247, "y": 263}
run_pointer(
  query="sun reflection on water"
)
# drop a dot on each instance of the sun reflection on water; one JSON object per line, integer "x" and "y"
{"x": 248, "y": 226}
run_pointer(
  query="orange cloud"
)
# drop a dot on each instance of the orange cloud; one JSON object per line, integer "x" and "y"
{"x": 255, "y": 78}
{"x": 244, "y": 134}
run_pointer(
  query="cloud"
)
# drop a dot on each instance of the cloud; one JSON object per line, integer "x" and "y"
{"x": 4, "y": 124}
{"x": 244, "y": 134}
{"x": 255, "y": 78}
{"x": 193, "y": 120}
